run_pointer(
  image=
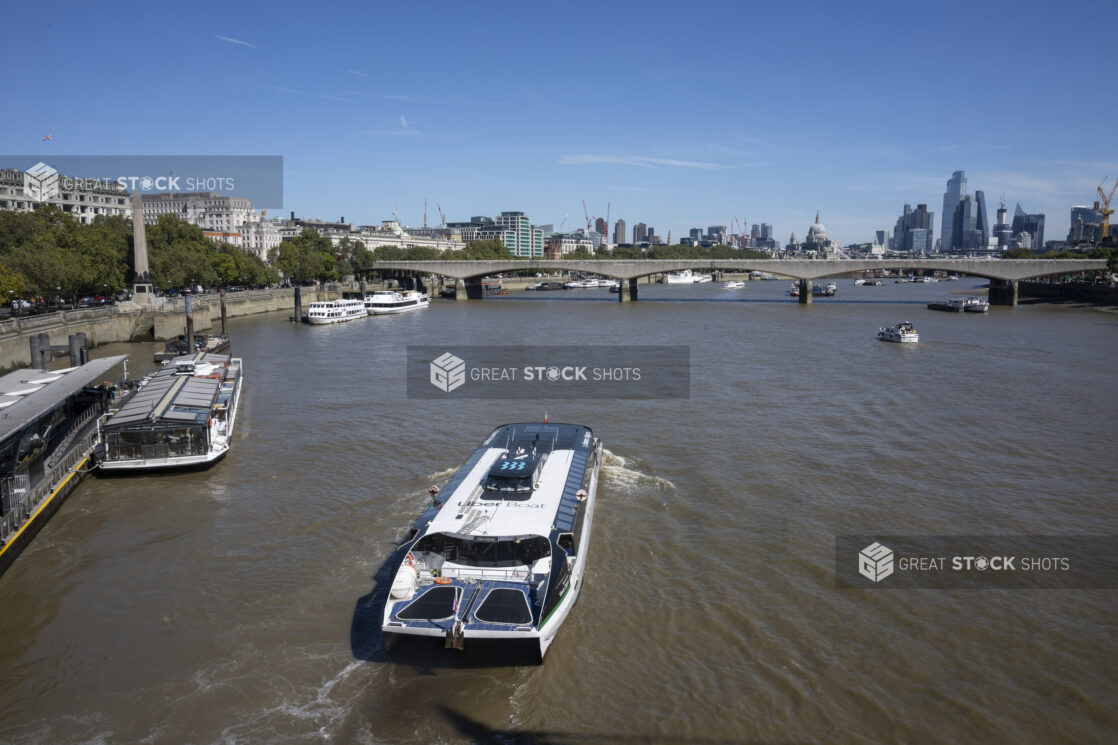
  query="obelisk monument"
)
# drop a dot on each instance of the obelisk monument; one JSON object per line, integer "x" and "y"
{"x": 142, "y": 289}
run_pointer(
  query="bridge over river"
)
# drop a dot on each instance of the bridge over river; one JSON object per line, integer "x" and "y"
{"x": 1004, "y": 274}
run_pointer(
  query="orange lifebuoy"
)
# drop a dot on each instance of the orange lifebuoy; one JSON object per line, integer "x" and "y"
{"x": 410, "y": 560}
{"x": 442, "y": 580}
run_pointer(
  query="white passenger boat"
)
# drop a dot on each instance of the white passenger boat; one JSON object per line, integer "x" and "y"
{"x": 903, "y": 332}
{"x": 335, "y": 311}
{"x": 733, "y": 284}
{"x": 500, "y": 553}
{"x": 179, "y": 416}
{"x": 685, "y": 277}
{"x": 976, "y": 305}
{"x": 387, "y": 302}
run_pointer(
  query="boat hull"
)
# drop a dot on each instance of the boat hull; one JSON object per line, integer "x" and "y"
{"x": 316, "y": 321}
{"x": 375, "y": 311}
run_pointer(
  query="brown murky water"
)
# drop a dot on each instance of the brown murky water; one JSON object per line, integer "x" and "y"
{"x": 234, "y": 605}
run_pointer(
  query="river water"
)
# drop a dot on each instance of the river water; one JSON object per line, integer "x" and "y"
{"x": 233, "y": 605}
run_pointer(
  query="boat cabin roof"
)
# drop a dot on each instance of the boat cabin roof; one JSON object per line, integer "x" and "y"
{"x": 182, "y": 393}
{"x": 523, "y": 480}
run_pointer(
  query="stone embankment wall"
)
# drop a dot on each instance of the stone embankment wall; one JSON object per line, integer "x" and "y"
{"x": 130, "y": 322}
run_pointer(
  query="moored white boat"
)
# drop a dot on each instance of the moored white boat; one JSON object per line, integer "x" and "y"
{"x": 180, "y": 416}
{"x": 335, "y": 311}
{"x": 903, "y": 332}
{"x": 976, "y": 305}
{"x": 387, "y": 302}
{"x": 500, "y": 553}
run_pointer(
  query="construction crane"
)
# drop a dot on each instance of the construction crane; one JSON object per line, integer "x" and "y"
{"x": 424, "y": 211}
{"x": 1103, "y": 207}
{"x": 589, "y": 225}
{"x": 442, "y": 215}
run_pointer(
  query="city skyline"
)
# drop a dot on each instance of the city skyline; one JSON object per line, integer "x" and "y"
{"x": 402, "y": 105}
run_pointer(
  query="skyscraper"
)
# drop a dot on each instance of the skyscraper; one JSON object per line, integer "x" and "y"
{"x": 982, "y": 224}
{"x": 969, "y": 225}
{"x": 640, "y": 233}
{"x": 905, "y": 236}
{"x": 1031, "y": 225}
{"x": 619, "y": 231}
{"x": 1086, "y": 224}
{"x": 956, "y": 189}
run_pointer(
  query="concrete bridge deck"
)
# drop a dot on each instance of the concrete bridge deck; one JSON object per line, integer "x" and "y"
{"x": 1004, "y": 274}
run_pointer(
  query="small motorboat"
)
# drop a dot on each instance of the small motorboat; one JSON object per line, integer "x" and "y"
{"x": 903, "y": 332}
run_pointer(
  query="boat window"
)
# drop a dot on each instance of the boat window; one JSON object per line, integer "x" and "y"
{"x": 505, "y": 605}
{"x": 507, "y": 487}
{"x": 486, "y": 552}
{"x": 434, "y": 605}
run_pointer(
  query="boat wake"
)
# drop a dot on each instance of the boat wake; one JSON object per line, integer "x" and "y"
{"x": 625, "y": 473}
{"x": 442, "y": 475}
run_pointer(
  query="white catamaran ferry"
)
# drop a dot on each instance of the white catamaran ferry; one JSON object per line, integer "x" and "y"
{"x": 386, "y": 302}
{"x": 179, "y": 416}
{"x": 500, "y": 553}
{"x": 335, "y": 311}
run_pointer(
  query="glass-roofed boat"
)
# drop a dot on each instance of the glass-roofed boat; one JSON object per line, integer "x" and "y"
{"x": 179, "y": 416}
{"x": 500, "y": 553}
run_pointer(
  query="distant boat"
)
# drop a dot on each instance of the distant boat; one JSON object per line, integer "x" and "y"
{"x": 950, "y": 305}
{"x": 386, "y": 302}
{"x": 685, "y": 277}
{"x": 976, "y": 305}
{"x": 794, "y": 290}
{"x": 733, "y": 284}
{"x": 903, "y": 332}
{"x": 335, "y": 311}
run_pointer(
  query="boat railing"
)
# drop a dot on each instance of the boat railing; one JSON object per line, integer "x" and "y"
{"x": 19, "y": 500}
{"x": 491, "y": 574}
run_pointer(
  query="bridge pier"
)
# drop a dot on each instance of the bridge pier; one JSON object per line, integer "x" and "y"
{"x": 627, "y": 290}
{"x": 1003, "y": 292}
{"x": 805, "y": 292}
{"x": 469, "y": 289}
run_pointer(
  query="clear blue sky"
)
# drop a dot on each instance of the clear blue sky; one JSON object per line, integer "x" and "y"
{"x": 679, "y": 115}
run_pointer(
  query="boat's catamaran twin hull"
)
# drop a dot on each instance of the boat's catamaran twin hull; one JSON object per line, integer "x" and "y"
{"x": 500, "y": 554}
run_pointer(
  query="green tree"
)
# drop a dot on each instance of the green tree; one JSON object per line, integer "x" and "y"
{"x": 307, "y": 256}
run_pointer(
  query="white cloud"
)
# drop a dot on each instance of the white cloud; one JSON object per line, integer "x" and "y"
{"x": 641, "y": 161}
{"x": 358, "y": 73}
{"x": 391, "y": 132}
{"x": 403, "y": 122}
{"x": 235, "y": 41}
